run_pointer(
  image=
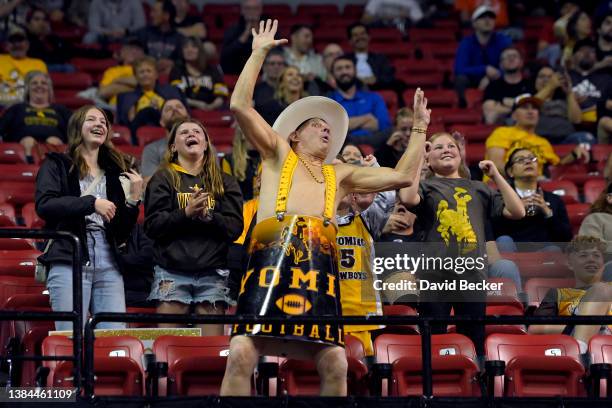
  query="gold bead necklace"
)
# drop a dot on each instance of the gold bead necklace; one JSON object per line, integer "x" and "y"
{"x": 310, "y": 170}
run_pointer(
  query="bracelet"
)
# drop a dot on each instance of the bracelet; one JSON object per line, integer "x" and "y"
{"x": 132, "y": 203}
{"x": 419, "y": 130}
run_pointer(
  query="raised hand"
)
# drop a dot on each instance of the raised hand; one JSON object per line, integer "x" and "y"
{"x": 264, "y": 39}
{"x": 136, "y": 184}
{"x": 422, "y": 115}
{"x": 489, "y": 168}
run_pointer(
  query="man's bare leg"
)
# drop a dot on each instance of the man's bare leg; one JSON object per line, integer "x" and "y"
{"x": 332, "y": 367}
{"x": 241, "y": 362}
{"x": 596, "y": 302}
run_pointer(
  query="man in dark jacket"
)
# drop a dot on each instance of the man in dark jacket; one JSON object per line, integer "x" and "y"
{"x": 161, "y": 40}
{"x": 236, "y": 47}
{"x": 373, "y": 69}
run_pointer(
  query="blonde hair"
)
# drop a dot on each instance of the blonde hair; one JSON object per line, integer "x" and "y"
{"x": 280, "y": 89}
{"x": 75, "y": 142}
{"x": 209, "y": 174}
{"x": 584, "y": 243}
{"x": 239, "y": 155}
{"x": 463, "y": 170}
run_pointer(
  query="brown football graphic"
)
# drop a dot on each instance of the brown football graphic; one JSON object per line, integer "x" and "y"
{"x": 293, "y": 304}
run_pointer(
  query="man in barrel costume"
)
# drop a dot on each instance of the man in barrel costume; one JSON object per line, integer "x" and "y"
{"x": 293, "y": 267}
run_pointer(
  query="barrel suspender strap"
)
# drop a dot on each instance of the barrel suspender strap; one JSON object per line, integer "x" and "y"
{"x": 284, "y": 186}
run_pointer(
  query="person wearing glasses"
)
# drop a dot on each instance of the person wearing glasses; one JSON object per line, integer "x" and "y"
{"x": 546, "y": 219}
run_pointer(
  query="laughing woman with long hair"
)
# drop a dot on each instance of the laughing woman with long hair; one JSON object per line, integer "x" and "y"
{"x": 81, "y": 192}
{"x": 193, "y": 212}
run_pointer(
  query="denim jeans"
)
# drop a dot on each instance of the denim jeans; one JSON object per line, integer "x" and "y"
{"x": 102, "y": 284}
{"x": 505, "y": 268}
{"x": 505, "y": 243}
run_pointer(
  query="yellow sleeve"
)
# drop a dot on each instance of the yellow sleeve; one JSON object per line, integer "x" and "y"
{"x": 40, "y": 65}
{"x": 225, "y": 166}
{"x": 499, "y": 138}
{"x": 549, "y": 153}
{"x": 249, "y": 209}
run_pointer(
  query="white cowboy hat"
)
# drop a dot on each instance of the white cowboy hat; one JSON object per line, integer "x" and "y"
{"x": 315, "y": 107}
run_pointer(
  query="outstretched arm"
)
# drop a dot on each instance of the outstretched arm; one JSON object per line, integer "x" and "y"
{"x": 255, "y": 128}
{"x": 407, "y": 170}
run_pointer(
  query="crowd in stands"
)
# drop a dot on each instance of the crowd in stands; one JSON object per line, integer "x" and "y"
{"x": 113, "y": 102}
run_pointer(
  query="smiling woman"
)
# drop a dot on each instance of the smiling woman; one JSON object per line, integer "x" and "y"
{"x": 80, "y": 192}
{"x": 290, "y": 89}
{"x": 193, "y": 212}
{"x": 37, "y": 119}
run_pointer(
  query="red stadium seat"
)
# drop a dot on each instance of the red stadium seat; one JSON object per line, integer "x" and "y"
{"x": 564, "y": 188}
{"x": 16, "y": 244}
{"x": 7, "y": 215}
{"x": 353, "y": 10}
{"x": 432, "y": 35}
{"x": 601, "y": 152}
{"x": 392, "y": 50}
{"x": 148, "y": 134}
{"x": 12, "y": 285}
{"x": 411, "y": 66}
{"x": 474, "y": 133}
{"x": 16, "y": 192}
{"x": 474, "y": 98}
{"x": 12, "y": 153}
{"x": 30, "y": 217}
{"x": 196, "y": 365}
{"x": 277, "y": 10}
{"x": 390, "y": 34}
{"x": 537, "y": 365}
{"x": 18, "y": 263}
{"x": 29, "y": 333}
{"x": 75, "y": 80}
{"x": 400, "y": 310}
{"x": 536, "y": 288}
{"x": 458, "y": 116}
{"x": 432, "y": 80}
{"x": 474, "y": 153}
{"x": 454, "y": 371}
{"x": 213, "y": 118}
{"x": 576, "y": 213}
{"x": 145, "y": 310}
{"x": 221, "y": 135}
{"x": 327, "y": 11}
{"x": 93, "y": 66}
{"x": 436, "y": 98}
{"x": 390, "y": 98}
{"x": 121, "y": 135}
{"x": 18, "y": 172}
{"x": 564, "y": 149}
{"x": 299, "y": 377}
{"x": 439, "y": 51}
{"x": 545, "y": 264}
{"x": 230, "y": 81}
{"x": 117, "y": 364}
{"x": 135, "y": 151}
{"x": 593, "y": 188}
{"x": 600, "y": 352}
{"x": 577, "y": 173}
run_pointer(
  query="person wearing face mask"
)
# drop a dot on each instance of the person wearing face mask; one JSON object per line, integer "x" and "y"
{"x": 80, "y": 191}
{"x": 589, "y": 80}
{"x": 453, "y": 211}
{"x": 193, "y": 212}
{"x": 590, "y": 296}
{"x": 367, "y": 110}
{"x": 38, "y": 119}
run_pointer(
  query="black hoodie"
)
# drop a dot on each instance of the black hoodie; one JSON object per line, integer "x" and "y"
{"x": 183, "y": 244}
{"x": 59, "y": 203}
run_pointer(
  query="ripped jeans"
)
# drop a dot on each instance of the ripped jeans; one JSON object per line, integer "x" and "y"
{"x": 209, "y": 286}
{"x": 102, "y": 284}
